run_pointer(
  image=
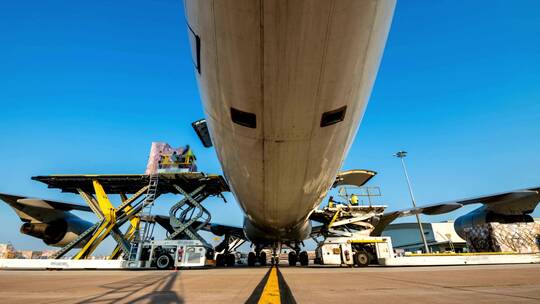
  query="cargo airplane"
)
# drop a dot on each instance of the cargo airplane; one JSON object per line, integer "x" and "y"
{"x": 284, "y": 85}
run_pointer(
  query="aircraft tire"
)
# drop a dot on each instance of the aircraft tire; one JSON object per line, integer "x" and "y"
{"x": 230, "y": 260}
{"x": 292, "y": 258}
{"x": 252, "y": 258}
{"x": 304, "y": 258}
{"x": 262, "y": 258}
{"x": 220, "y": 260}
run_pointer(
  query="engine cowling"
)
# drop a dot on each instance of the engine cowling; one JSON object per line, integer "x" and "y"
{"x": 482, "y": 216}
{"x": 57, "y": 233}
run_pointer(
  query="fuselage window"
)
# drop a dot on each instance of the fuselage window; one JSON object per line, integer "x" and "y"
{"x": 195, "y": 43}
{"x": 245, "y": 119}
{"x": 333, "y": 117}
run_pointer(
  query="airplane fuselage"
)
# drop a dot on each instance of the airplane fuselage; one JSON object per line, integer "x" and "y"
{"x": 284, "y": 86}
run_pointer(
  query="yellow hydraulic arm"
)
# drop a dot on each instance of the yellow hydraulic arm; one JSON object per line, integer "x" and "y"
{"x": 109, "y": 222}
{"x": 130, "y": 233}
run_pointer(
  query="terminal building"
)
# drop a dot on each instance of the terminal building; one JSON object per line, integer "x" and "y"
{"x": 8, "y": 251}
{"x": 441, "y": 237}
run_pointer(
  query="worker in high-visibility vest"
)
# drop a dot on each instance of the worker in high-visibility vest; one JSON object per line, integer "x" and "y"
{"x": 354, "y": 200}
{"x": 189, "y": 158}
{"x": 331, "y": 202}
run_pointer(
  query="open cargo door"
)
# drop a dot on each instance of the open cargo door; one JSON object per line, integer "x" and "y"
{"x": 353, "y": 178}
{"x": 201, "y": 128}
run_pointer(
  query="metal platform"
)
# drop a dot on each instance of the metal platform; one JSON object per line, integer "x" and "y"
{"x": 132, "y": 183}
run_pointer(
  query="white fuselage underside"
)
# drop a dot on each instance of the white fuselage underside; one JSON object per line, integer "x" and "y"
{"x": 287, "y": 62}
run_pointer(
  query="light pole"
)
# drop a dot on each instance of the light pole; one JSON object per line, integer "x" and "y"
{"x": 401, "y": 155}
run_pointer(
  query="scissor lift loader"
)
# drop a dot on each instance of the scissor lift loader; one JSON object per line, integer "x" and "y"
{"x": 186, "y": 217}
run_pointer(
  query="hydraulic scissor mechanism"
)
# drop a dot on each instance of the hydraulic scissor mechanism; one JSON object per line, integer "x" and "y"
{"x": 188, "y": 216}
{"x": 346, "y": 220}
{"x": 110, "y": 219}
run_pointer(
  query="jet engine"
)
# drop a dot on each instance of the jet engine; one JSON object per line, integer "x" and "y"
{"x": 218, "y": 230}
{"x": 482, "y": 216}
{"x": 59, "y": 232}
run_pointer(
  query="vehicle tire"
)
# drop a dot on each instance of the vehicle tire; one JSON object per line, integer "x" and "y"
{"x": 304, "y": 258}
{"x": 262, "y": 258}
{"x": 220, "y": 260}
{"x": 252, "y": 258}
{"x": 292, "y": 258}
{"x": 230, "y": 260}
{"x": 361, "y": 258}
{"x": 164, "y": 261}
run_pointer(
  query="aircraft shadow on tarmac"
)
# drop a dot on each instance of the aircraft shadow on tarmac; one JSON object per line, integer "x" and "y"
{"x": 156, "y": 289}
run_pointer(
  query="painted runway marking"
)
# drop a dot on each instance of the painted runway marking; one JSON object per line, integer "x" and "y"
{"x": 270, "y": 294}
{"x": 272, "y": 289}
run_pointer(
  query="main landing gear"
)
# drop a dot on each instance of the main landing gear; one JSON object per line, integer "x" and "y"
{"x": 225, "y": 259}
{"x": 301, "y": 257}
{"x": 227, "y": 247}
{"x": 295, "y": 256}
{"x": 260, "y": 257}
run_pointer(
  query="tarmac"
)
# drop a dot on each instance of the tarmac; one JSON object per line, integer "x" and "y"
{"x": 450, "y": 284}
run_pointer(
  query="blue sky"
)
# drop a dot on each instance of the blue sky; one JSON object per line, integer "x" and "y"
{"x": 86, "y": 87}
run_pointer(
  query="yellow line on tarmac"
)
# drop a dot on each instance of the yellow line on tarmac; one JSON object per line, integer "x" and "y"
{"x": 270, "y": 294}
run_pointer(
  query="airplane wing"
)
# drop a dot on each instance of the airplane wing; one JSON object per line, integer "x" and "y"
{"x": 39, "y": 210}
{"x": 432, "y": 209}
{"x": 47, "y": 220}
{"x": 517, "y": 202}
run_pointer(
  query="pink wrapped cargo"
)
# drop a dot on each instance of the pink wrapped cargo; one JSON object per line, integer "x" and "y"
{"x": 166, "y": 159}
